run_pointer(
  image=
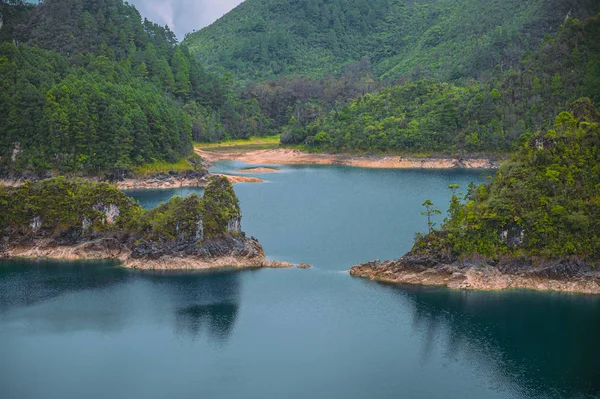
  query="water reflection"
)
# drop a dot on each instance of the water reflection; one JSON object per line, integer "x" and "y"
{"x": 201, "y": 302}
{"x": 218, "y": 319}
{"x": 50, "y": 296}
{"x": 25, "y": 283}
{"x": 531, "y": 338}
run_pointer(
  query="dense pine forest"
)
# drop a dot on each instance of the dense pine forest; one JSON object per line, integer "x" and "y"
{"x": 90, "y": 86}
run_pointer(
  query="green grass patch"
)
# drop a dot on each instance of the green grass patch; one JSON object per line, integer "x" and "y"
{"x": 251, "y": 144}
{"x": 161, "y": 167}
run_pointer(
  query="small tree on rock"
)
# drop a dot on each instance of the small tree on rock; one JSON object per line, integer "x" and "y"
{"x": 430, "y": 210}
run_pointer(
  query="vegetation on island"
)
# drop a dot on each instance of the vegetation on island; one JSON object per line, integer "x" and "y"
{"x": 544, "y": 202}
{"x": 69, "y": 211}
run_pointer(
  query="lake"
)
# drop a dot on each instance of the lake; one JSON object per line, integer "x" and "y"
{"x": 95, "y": 330}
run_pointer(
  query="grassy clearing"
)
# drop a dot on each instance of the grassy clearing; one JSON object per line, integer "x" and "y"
{"x": 161, "y": 167}
{"x": 251, "y": 144}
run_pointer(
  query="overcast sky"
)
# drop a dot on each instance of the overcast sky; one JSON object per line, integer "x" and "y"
{"x": 184, "y": 16}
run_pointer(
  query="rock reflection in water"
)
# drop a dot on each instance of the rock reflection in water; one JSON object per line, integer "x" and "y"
{"x": 29, "y": 291}
{"x": 217, "y": 319}
{"x": 513, "y": 336}
{"x": 202, "y": 301}
{"x": 27, "y": 282}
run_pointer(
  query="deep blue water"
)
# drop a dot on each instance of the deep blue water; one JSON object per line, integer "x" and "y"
{"x": 95, "y": 330}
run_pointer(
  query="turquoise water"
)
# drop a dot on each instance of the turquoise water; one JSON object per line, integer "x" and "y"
{"x": 95, "y": 330}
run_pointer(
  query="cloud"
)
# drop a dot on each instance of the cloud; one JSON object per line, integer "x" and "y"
{"x": 184, "y": 16}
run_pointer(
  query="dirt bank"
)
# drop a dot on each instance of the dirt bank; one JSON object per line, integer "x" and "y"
{"x": 291, "y": 157}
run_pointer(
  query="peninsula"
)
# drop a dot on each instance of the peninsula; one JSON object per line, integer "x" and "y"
{"x": 536, "y": 226}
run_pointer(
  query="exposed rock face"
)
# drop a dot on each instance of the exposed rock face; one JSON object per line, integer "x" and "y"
{"x": 36, "y": 224}
{"x": 234, "y": 226}
{"x": 16, "y": 149}
{"x": 111, "y": 212}
{"x": 564, "y": 275}
{"x": 209, "y": 249}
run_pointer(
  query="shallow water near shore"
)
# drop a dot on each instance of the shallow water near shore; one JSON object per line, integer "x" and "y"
{"x": 95, "y": 330}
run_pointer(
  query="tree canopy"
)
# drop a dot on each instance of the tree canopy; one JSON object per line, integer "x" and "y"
{"x": 442, "y": 39}
{"x": 89, "y": 86}
{"x": 481, "y": 116}
{"x": 544, "y": 202}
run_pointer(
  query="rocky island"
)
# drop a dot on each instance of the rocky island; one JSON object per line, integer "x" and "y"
{"x": 536, "y": 226}
{"x": 77, "y": 219}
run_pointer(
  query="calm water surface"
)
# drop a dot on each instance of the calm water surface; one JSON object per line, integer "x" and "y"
{"x": 95, "y": 330}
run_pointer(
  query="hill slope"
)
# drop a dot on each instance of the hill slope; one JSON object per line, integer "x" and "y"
{"x": 426, "y": 115}
{"x": 88, "y": 86}
{"x": 440, "y": 38}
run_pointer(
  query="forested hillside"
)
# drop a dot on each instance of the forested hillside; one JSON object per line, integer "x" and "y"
{"x": 544, "y": 202}
{"x": 490, "y": 115}
{"x": 89, "y": 86}
{"x": 443, "y": 39}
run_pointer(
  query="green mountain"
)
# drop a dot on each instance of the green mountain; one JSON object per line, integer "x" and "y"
{"x": 444, "y": 39}
{"x": 88, "y": 86}
{"x": 489, "y": 116}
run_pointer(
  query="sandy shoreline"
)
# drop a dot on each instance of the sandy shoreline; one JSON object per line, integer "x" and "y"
{"x": 258, "y": 170}
{"x": 287, "y": 156}
{"x": 241, "y": 179}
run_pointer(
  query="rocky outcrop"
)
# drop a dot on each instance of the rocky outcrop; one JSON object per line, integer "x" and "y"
{"x": 566, "y": 275}
{"x": 229, "y": 251}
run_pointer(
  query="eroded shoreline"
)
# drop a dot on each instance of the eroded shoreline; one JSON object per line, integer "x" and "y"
{"x": 286, "y": 156}
{"x": 556, "y": 277}
{"x": 105, "y": 249}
